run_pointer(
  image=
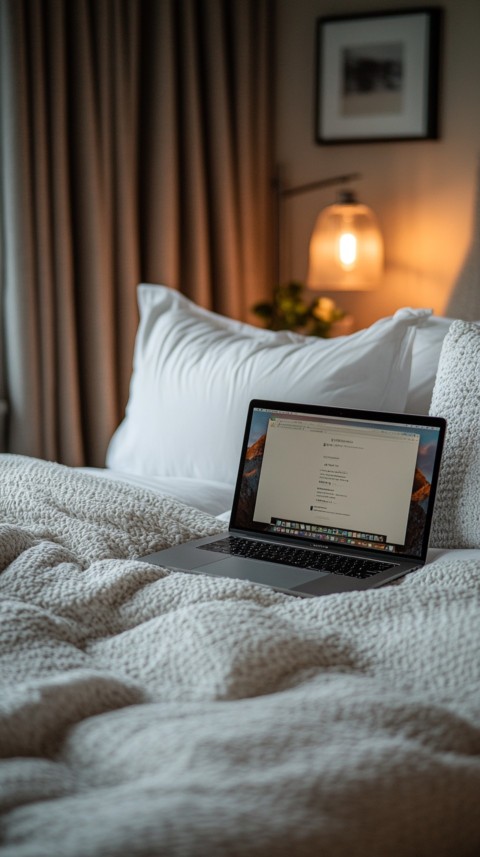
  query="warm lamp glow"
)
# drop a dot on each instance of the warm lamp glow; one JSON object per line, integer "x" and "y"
{"x": 347, "y": 250}
{"x": 346, "y": 247}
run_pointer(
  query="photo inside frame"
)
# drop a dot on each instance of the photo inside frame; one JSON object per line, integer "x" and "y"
{"x": 373, "y": 79}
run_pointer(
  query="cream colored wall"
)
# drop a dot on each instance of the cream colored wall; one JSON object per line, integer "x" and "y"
{"x": 423, "y": 192}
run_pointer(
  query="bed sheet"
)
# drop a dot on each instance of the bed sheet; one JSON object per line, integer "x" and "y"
{"x": 214, "y": 498}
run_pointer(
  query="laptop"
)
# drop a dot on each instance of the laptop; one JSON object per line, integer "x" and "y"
{"x": 327, "y": 500}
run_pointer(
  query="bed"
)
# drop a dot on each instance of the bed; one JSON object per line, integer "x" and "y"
{"x": 147, "y": 712}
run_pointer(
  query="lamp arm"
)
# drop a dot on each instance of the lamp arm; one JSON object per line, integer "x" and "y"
{"x": 281, "y": 192}
{"x": 305, "y": 188}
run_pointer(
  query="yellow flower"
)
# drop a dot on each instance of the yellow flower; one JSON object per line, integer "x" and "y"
{"x": 325, "y": 310}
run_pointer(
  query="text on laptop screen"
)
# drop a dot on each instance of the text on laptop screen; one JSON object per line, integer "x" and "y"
{"x": 334, "y": 479}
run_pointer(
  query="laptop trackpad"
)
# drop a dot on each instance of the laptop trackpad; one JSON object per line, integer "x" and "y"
{"x": 261, "y": 572}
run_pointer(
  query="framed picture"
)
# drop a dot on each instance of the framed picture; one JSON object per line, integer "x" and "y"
{"x": 377, "y": 76}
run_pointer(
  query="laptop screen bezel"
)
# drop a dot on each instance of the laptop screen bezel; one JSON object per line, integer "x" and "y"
{"x": 382, "y": 417}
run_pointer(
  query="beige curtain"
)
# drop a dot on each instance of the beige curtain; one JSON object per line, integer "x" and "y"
{"x": 135, "y": 145}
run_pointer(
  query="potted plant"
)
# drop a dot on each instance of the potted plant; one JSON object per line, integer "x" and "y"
{"x": 289, "y": 310}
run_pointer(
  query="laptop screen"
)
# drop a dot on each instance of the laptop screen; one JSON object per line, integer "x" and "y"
{"x": 339, "y": 477}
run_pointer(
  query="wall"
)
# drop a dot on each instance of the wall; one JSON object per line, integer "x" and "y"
{"x": 423, "y": 192}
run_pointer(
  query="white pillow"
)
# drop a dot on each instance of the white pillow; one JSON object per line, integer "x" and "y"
{"x": 456, "y": 517}
{"x": 427, "y": 346}
{"x": 194, "y": 373}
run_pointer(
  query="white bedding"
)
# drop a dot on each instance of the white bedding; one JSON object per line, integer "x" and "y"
{"x": 215, "y": 498}
{"x": 149, "y": 713}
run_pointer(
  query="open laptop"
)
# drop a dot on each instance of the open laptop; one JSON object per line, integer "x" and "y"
{"x": 326, "y": 500}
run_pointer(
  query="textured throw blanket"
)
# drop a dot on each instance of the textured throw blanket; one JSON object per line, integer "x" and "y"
{"x": 152, "y": 713}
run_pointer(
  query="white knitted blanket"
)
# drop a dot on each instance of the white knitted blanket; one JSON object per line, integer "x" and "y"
{"x": 147, "y": 713}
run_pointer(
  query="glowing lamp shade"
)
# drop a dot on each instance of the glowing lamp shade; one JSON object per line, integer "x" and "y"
{"x": 346, "y": 247}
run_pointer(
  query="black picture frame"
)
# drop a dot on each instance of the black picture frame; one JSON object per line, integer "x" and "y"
{"x": 377, "y": 76}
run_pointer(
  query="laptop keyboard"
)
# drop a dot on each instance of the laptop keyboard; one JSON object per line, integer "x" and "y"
{"x": 302, "y": 557}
